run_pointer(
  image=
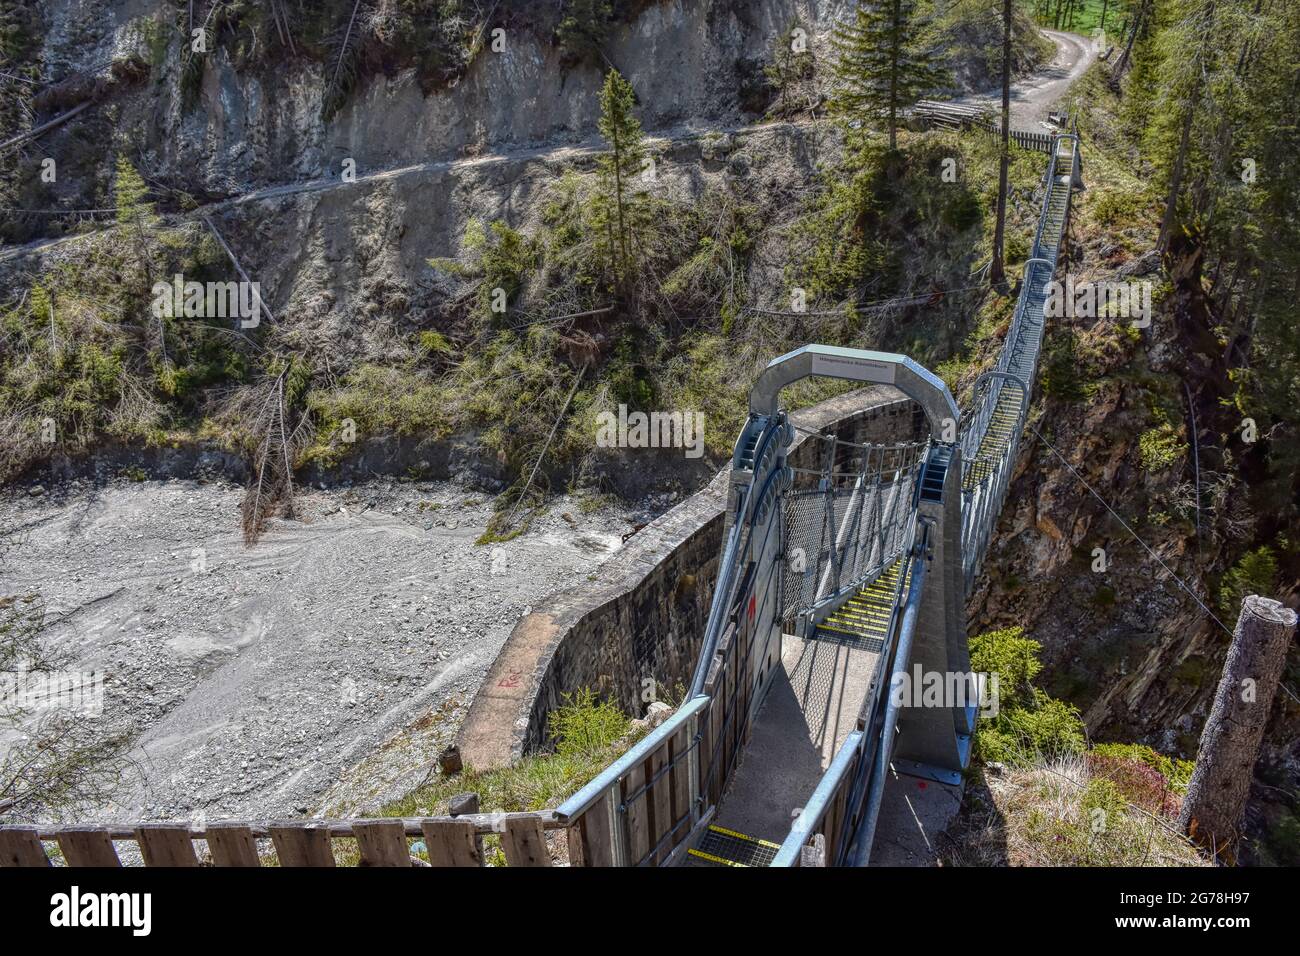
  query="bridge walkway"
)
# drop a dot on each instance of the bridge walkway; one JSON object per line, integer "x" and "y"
{"x": 814, "y": 703}
{"x": 1004, "y": 425}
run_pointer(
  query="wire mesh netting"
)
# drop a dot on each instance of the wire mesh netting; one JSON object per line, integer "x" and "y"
{"x": 851, "y": 523}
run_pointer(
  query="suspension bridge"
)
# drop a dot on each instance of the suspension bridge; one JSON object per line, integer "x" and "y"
{"x": 834, "y": 583}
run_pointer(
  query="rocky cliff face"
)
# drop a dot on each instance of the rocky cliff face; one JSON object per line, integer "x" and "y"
{"x": 259, "y": 118}
{"x": 1135, "y": 633}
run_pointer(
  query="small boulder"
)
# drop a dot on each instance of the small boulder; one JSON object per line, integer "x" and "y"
{"x": 450, "y": 762}
{"x": 657, "y": 713}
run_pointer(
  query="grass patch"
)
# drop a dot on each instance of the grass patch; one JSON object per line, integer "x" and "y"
{"x": 589, "y": 733}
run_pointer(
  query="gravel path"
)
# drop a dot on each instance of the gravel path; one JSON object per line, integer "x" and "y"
{"x": 1034, "y": 96}
{"x": 256, "y": 678}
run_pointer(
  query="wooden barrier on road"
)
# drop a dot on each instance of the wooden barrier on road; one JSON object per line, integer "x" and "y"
{"x": 965, "y": 117}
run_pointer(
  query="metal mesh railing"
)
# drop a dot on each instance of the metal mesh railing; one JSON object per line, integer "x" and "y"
{"x": 850, "y": 525}
{"x": 990, "y": 434}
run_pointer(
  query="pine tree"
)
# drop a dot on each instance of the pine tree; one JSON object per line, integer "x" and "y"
{"x": 135, "y": 213}
{"x": 1143, "y": 82}
{"x": 620, "y": 210}
{"x": 791, "y": 62}
{"x": 131, "y": 195}
{"x": 880, "y": 67}
{"x": 1197, "y": 41}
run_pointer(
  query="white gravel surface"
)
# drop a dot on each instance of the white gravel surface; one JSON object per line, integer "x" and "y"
{"x": 257, "y": 679}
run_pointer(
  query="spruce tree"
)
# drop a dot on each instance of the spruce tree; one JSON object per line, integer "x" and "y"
{"x": 880, "y": 67}
{"x": 620, "y": 210}
{"x": 135, "y": 212}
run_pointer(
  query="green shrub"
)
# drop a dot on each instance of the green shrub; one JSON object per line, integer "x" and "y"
{"x": 1160, "y": 447}
{"x": 1029, "y": 722}
{"x": 1254, "y": 573}
{"x": 1114, "y": 207}
{"x": 584, "y": 724}
{"x": 1177, "y": 773}
{"x": 591, "y": 734}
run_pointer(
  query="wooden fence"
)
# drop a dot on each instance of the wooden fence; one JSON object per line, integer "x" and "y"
{"x": 449, "y": 841}
{"x": 963, "y": 117}
{"x": 648, "y": 807}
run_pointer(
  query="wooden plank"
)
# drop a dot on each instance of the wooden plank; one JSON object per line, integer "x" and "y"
{"x": 711, "y": 753}
{"x": 597, "y": 835}
{"x": 382, "y": 842}
{"x": 711, "y": 679}
{"x": 637, "y": 815}
{"x": 813, "y": 853}
{"x": 577, "y": 852}
{"x": 524, "y": 842}
{"x": 163, "y": 844}
{"x": 451, "y": 842}
{"x": 733, "y": 714}
{"x": 231, "y": 844}
{"x": 21, "y": 846}
{"x": 660, "y": 801}
{"x": 680, "y": 774}
{"x": 88, "y": 846}
{"x": 835, "y": 819}
{"x": 302, "y": 844}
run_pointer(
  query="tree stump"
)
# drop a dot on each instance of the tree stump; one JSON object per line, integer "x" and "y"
{"x": 1225, "y": 761}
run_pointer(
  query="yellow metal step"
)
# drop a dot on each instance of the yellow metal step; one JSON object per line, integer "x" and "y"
{"x": 722, "y": 847}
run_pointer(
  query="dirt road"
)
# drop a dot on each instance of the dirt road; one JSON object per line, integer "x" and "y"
{"x": 1033, "y": 97}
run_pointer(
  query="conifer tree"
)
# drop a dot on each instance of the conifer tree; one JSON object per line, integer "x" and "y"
{"x": 620, "y": 209}
{"x": 880, "y": 67}
{"x": 135, "y": 212}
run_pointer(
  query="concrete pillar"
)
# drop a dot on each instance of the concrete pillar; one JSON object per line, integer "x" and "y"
{"x": 934, "y": 742}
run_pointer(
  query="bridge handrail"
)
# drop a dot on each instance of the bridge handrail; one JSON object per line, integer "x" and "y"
{"x": 856, "y": 745}
{"x": 585, "y": 798}
{"x": 727, "y": 572}
{"x": 985, "y": 498}
{"x": 865, "y": 833}
{"x": 1047, "y": 195}
{"x": 805, "y": 825}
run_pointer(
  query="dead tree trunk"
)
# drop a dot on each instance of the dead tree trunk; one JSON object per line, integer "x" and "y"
{"x": 1216, "y": 796}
